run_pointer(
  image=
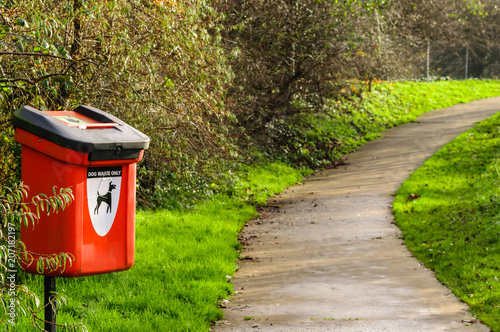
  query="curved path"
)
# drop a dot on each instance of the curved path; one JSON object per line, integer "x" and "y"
{"x": 325, "y": 255}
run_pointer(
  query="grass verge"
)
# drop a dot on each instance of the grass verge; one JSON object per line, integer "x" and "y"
{"x": 449, "y": 212}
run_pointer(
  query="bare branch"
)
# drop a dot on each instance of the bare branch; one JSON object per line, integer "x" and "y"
{"x": 33, "y": 82}
{"x": 37, "y": 54}
{"x": 17, "y": 79}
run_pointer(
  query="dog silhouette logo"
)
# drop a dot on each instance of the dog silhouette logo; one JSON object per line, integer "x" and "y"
{"x": 106, "y": 198}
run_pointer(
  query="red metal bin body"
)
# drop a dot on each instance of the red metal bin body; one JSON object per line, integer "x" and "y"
{"x": 98, "y": 229}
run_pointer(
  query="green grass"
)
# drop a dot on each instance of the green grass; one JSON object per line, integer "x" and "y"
{"x": 183, "y": 260}
{"x": 453, "y": 224}
{"x": 421, "y": 97}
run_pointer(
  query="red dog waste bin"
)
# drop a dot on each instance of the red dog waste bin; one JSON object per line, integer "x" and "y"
{"x": 95, "y": 154}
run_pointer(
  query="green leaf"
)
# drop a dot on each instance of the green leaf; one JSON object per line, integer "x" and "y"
{"x": 20, "y": 46}
{"x": 22, "y": 23}
{"x": 37, "y": 301}
{"x": 169, "y": 83}
{"x": 40, "y": 265}
{"x": 45, "y": 83}
{"x": 67, "y": 85}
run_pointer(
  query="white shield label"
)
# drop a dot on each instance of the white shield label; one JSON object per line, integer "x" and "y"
{"x": 103, "y": 193}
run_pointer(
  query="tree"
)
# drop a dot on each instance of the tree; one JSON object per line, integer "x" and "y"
{"x": 292, "y": 55}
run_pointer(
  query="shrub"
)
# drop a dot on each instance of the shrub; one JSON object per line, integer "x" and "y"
{"x": 157, "y": 65}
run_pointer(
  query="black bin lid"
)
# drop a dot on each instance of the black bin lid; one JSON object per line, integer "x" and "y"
{"x": 100, "y": 133}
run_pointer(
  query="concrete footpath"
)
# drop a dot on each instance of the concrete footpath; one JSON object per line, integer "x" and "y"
{"x": 326, "y": 255}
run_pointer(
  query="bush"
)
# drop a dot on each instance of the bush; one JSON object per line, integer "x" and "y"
{"x": 157, "y": 65}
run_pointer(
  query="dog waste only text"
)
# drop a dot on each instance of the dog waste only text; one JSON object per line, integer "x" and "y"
{"x": 104, "y": 173}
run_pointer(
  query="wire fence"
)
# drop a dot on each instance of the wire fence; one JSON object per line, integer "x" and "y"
{"x": 462, "y": 62}
{"x": 428, "y": 59}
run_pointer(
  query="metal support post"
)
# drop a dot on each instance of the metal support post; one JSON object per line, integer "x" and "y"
{"x": 466, "y": 62}
{"x": 50, "y": 314}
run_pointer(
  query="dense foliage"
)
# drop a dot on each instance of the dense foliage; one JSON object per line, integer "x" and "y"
{"x": 153, "y": 64}
{"x": 294, "y": 58}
